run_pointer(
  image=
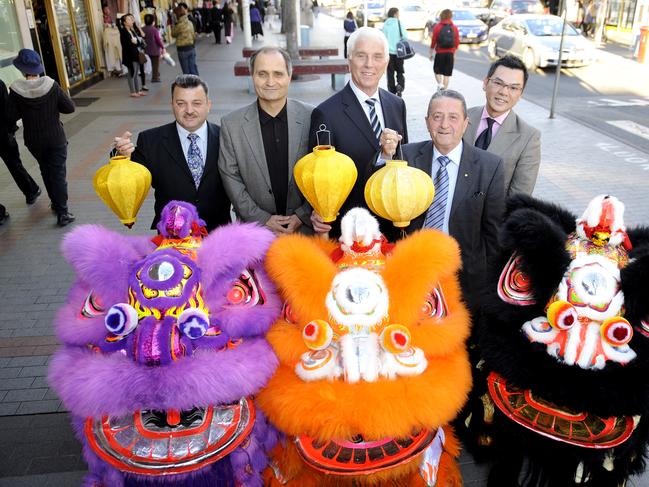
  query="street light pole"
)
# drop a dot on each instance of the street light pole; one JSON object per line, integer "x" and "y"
{"x": 365, "y": 14}
{"x": 555, "y": 90}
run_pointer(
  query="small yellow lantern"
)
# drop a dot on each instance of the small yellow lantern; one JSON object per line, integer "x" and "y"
{"x": 326, "y": 178}
{"x": 123, "y": 185}
{"x": 399, "y": 193}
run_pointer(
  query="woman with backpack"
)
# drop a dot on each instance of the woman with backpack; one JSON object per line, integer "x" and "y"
{"x": 394, "y": 31}
{"x": 445, "y": 41}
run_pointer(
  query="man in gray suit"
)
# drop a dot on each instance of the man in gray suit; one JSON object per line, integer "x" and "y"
{"x": 260, "y": 145}
{"x": 496, "y": 127}
{"x": 469, "y": 193}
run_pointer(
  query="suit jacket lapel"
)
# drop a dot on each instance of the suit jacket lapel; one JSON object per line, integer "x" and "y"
{"x": 357, "y": 115}
{"x": 255, "y": 141}
{"x": 506, "y": 136}
{"x": 295, "y": 129}
{"x": 474, "y": 122}
{"x": 465, "y": 178}
{"x": 424, "y": 159}
{"x": 171, "y": 143}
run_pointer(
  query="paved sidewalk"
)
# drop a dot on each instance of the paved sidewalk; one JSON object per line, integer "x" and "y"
{"x": 37, "y": 444}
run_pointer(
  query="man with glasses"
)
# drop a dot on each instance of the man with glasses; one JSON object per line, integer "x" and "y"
{"x": 357, "y": 115}
{"x": 496, "y": 128}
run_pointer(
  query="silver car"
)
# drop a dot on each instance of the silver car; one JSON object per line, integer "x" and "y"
{"x": 535, "y": 40}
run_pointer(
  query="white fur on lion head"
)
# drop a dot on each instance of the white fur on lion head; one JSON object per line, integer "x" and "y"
{"x": 358, "y": 226}
{"x": 593, "y": 214}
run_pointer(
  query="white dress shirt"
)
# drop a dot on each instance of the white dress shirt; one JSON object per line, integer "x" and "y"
{"x": 362, "y": 96}
{"x": 452, "y": 169}
{"x": 201, "y": 141}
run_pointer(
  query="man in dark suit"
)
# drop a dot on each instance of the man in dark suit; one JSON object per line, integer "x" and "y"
{"x": 183, "y": 155}
{"x": 358, "y": 114}
{"x": 469, "y": 193}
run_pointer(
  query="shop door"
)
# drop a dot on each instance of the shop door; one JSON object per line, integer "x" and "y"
{"x": 42, "y": 39}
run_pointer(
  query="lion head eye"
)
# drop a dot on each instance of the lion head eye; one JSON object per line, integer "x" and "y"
{"x": 288, "y": 314}
{"x": 245, "y": 291}
{"x": 616, "y": 331}
{"x": 434, "y": 305}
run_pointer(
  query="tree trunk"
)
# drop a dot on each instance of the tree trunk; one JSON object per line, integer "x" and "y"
{"x": 601, "y": 22}
{"x": 290, "y": 27}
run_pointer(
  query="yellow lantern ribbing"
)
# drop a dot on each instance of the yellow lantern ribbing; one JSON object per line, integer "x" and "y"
{"x": 325, "y": 178}
{"x": 123, "y": 185}
{"x": 399, "y": 193}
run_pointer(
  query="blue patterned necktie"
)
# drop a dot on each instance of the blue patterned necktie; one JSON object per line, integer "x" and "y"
{"x": 437, "y": 210}
{"x": 374, "y": 118}
{"x": 195, "y": 159}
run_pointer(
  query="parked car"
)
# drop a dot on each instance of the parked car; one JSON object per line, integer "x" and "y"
{"x": 413, "y": 15}
{"x": 499, "y": 9}
{"x": 535, "y": 39}
{"x": 471, "y": 28}
{"x": 375, "y": 13}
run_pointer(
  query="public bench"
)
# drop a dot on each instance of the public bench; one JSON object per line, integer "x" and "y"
{"x": 304, "y": 52}
{"x": 337, "y": 68}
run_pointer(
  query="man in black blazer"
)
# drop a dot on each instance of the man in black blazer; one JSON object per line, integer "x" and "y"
{"x": 355, "y": 125}
{"x": 475, "y": 194}
{"x": 174, "y": 153}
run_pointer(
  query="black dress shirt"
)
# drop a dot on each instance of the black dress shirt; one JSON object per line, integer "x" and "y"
{"x": 274, "y": 132}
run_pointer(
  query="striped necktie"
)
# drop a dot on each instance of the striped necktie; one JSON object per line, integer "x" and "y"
{"x": 374, "y": 118}
{"x": 437, "y": 210}
{"x": 195, "y": 159}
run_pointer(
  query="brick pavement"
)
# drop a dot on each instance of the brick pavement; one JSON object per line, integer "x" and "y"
{"x": 577, "y": 164}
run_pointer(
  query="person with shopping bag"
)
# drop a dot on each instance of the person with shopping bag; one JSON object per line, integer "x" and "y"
{"x": 395, "y": 33}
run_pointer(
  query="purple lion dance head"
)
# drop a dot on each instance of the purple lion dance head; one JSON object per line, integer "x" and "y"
{"x": 163, "y": 348}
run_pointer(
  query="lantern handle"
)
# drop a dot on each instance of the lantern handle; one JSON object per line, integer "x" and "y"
{"x": 323, "y": 130}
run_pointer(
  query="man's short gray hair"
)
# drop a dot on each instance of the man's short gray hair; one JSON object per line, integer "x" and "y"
{"x": 456, "y": 95}
{"x": 367, "y": 33}
{"x": 270, "y": 50}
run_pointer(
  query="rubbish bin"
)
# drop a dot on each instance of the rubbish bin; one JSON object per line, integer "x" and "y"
{"x": 305, "y": 33}
{"x": 643, "y": 47}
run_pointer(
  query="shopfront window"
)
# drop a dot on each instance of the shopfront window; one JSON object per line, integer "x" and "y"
{"x": 10, "y": 40}
{"x": 69, "y": 46}
{"x": 83, "y": 33}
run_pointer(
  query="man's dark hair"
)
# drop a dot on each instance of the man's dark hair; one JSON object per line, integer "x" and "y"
{"x": 511, "y": 62}
{"x": 456, "y": 95}
{"x": 188, "y": 81}
{"x": 269, "y": 50}
{"x": 149, "y": 19}
{"x": 393, "y": 12}
{"x": 183, "y": 5}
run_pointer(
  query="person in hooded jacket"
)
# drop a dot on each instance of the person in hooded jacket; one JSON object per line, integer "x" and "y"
{"x": 395, "y": 31}
{"x": 39, "y": 101}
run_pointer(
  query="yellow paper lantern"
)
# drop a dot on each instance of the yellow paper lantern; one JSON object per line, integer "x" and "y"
{"x": 325, "y": 178}
{"x": 399, "y": 193}
{"x": 123, "y": 185}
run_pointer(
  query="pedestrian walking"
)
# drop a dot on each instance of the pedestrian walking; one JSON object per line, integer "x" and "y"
{"x": 255, "y": 21}
{"x": 154, "y": 46}
{"x": 394, "y": 31}
{"x": 445, "y": 41}
{"x": 10, "y": 153}
{"x": 228, "y": 22}
{"x": 39, "y": 101}
{"x": 185, "y": 35}
{"x": 350, "y": 26}
{"x": 132, "y": 47}
{"x": 217, "y": 21}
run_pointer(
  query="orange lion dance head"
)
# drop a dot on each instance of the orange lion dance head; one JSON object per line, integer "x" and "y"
{"x": 373, "y": 363}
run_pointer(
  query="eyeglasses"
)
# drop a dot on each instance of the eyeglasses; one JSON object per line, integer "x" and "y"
{"x": 501, "y": 85}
